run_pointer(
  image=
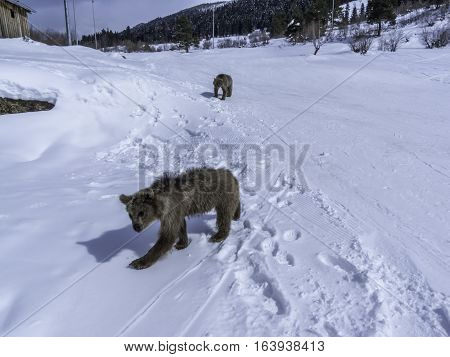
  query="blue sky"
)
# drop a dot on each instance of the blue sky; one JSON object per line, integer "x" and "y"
{"x": 113, "y": 14}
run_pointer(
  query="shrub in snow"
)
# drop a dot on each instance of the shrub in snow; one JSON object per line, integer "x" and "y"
{"x": 131, "y": 46}
{"x": 429, "y": 18}
{"x": 425, "y": 16}
{"x": 360, "y": 41}
{"x": 167, "y": 47}
{"x": 225, "y": 43}
{"x": 240, "y": 42}
{"x": 337, "y": 36}
{"x": 437, "y": 37}
{"x": 148, "y": 48}
{"x": 258, "y": 38}
{"x": 230, "y": 43}
{"x": 391, "y": 41}
{"x": 207, "y": 44}
{"x": 443, "y": 11}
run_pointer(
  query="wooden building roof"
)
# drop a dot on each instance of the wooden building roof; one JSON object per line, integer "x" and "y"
{"x": 20, "y": 4}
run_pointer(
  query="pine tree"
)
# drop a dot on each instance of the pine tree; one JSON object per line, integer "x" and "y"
{"x": 346, "y": 14}
{"x": 278, "y": 25}
{"x": 128, "y": 33}
{"x": 379, "y": 11}
{"x": 183, "y": 33}
{"x": 362, "y": 12}
{"x": 294, "y": 31}
{"x": 354, "y": 19}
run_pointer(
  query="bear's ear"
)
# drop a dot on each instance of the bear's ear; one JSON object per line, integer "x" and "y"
{"x": 125, "y": 199}
{"x": 148, "y": 194}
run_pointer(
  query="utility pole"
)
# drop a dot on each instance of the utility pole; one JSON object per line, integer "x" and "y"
{"x": 75, "y": 22}
{"x": 66, "y": 11}
{"x": 332, "y": 18}
{"x": 95, "y": 31}
{"x": 214, "y": 27}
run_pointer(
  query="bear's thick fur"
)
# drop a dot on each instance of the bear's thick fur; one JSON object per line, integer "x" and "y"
{"x": 172, "y": 198}
{"x": 225, "y": 82}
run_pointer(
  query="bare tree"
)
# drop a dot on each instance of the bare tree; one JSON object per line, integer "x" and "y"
{"x": 437, "y": 37}
{"x": 49, "y": 37}
{"x": 392, "y": 40}
{"x": 360, "y": 41}
{"x": 259, "y": 38}
{"x": 316, "y": 40}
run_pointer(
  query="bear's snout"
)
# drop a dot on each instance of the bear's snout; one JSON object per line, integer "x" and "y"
{"x": 137, "y": 227}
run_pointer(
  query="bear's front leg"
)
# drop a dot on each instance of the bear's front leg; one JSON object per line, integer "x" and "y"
{"x": 151, "y": 257}
{"x": 183, "y": 241}
{"x": 159, "y": 249}
{"x": 140, "y": 263}
{"x": 216, "y": 91}
{"x": 167, "y": 236}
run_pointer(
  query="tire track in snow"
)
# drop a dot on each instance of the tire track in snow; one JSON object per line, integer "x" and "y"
{"x": 143, "y": 311}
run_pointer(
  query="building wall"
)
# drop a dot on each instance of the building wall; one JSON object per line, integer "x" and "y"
{"x": 10, "y": 26}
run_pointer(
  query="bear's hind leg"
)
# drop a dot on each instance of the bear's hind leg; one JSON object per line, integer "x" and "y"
{"x": 223, "y": 224}
{"x": 225, "y": 93}
{"x": 237, "y": 213}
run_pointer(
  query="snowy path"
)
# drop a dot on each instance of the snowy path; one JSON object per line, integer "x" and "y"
{"x": 364, "y": 251}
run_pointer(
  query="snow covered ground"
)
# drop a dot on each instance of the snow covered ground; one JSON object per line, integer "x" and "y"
{"x": 362, "y": 248}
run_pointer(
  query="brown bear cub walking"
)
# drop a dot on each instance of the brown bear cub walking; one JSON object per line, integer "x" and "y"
{"x": 172, "y": 198}
{"x": 225, "y": 82}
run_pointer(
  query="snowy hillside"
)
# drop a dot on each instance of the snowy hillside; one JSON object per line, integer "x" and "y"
{"x": 360, "y": 246}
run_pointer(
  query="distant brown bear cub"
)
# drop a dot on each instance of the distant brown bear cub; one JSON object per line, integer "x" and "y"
{"x": 172, "y": 198}
{"x": 225, "y": 82}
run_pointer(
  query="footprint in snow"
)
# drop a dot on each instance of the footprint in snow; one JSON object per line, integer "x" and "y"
{"x": 345, "y": 266}
{"x": 271, "y": 230}
{"x": 195, "y": 134}
{"x": 182, "y": 123}
{"x": 291, "y": 235}
{"x": 269, "y": 246}
{"x": 284, "y": 258}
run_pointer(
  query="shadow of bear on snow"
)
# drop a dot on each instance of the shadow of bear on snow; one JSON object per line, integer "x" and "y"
{"x": 110, "y": 243}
